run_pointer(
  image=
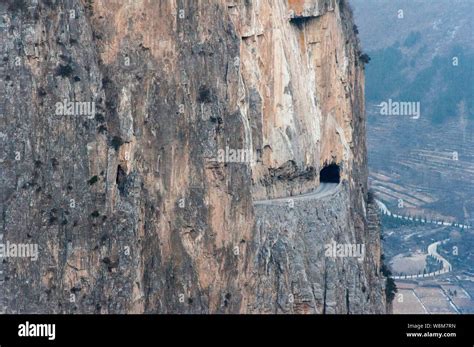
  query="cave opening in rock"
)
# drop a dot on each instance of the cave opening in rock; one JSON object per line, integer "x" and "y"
{"x": 330, "y": 174}
{"x": 121, "y": 180}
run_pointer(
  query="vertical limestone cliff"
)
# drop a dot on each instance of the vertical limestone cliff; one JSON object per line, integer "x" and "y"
{"x": 187, "y": 186}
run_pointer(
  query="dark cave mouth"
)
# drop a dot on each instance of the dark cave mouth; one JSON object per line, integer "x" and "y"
{"x": 330, "y": 174}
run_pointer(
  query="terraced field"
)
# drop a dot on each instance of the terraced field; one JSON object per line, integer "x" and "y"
{"x": 418, "y": 168}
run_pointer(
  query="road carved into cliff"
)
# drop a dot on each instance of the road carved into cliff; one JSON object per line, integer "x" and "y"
{"x": 324, "y": 190}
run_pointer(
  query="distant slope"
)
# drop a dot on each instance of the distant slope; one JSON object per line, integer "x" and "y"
{"x": 427, "y": 163}
{"x": 412, "y": 45}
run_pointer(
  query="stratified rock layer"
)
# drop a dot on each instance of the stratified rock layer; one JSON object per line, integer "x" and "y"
{"x": 133, "y": 208}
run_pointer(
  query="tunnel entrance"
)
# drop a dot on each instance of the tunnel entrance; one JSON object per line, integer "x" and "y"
{"x": 330, "y": 174}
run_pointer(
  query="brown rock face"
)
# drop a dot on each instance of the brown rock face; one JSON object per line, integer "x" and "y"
{"x": 139, "y": 134}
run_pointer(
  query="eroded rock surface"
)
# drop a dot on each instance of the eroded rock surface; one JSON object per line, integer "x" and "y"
{"x": 142, "y": 206}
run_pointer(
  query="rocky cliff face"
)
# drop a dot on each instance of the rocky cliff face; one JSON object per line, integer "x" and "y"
{"x": 145, "y": 145}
